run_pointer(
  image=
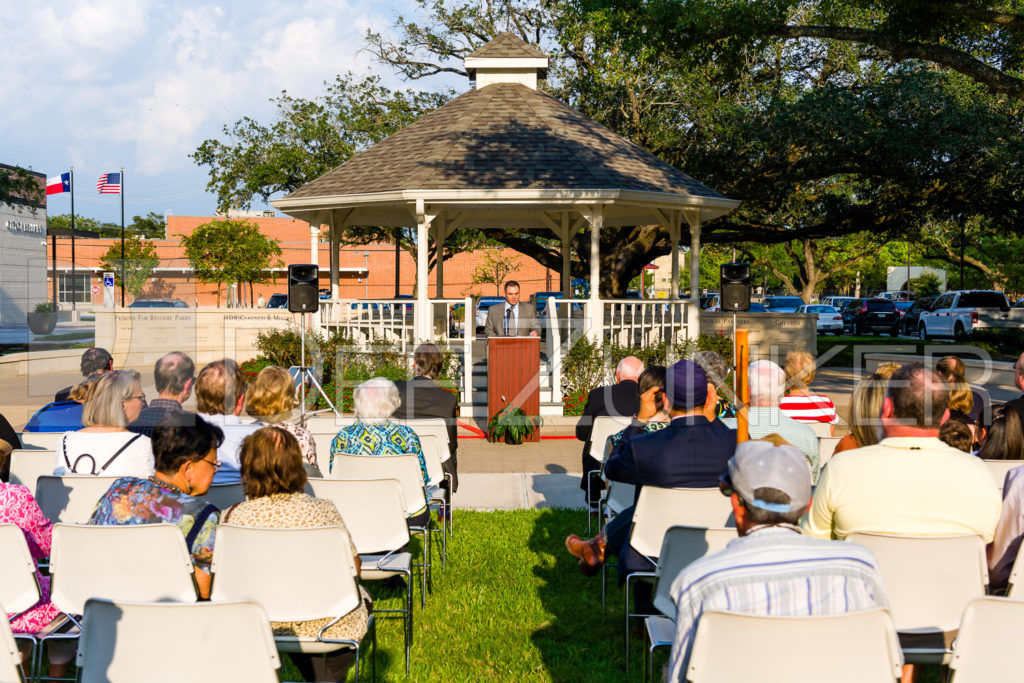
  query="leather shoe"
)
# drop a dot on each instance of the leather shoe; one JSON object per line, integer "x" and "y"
{"x": 590, "y": 553}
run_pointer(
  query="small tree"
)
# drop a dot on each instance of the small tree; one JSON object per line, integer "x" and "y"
{"x": 926, "y": 284}
{"x": 494, "y": 268}
{"x": 140, "y": 260}
{"x": 230, "y": 251}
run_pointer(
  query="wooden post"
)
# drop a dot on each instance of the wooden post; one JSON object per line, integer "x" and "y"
{"x": 742, "y": 353}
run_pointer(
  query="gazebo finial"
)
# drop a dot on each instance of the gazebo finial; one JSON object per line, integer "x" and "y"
{"x": 507, "y": 58}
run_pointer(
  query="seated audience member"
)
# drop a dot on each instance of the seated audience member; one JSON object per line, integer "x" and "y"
{"x": 18, "y": 507}
{"x": 865, "y": 414}
{"x": 770, "y": 488}
{"x": 104, "y": 446}
{"x": 374, "y": 402}
{"x": 1018, "y": 379}
{"x": 971, "y": 401}
{"x": 271, "y": 400}
{"x": 615, "y": 400}
{"x": 9, "y": 442}
{"x": 220, "y": 397}
{"x": 422, "y": 397}
{"x": 1002, "y": 551}
{"x": 799, "y": 402}
{"x": 767, "y": 385}
{"x": 887, "y": 370}
{"x": 717, "y": 370}
{"x": 95, "y": 361}
{"x": 273, "y": 475}
{"x": 910, "y": 482}
{"x": 185, "y": 448}
{"x": 1004, "y": 440}
{"x": 691, "y": 452}
{"x": 957, "y": 434}
{"x": 174, "y": 374}
{"x": 653, "y": 413}
{"x": 64, "y": 416}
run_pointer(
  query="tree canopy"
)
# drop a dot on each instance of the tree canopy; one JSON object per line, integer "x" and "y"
{"x": 224, "y": 251}
{"x": 140, "y": 260}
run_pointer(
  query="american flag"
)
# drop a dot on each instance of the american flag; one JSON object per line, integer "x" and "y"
{"x": 109, "y": 183}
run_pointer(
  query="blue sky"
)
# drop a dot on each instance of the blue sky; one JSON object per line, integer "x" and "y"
{"x": 135, "y": 83}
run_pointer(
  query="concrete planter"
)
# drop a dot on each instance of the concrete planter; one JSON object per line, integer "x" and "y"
{"x": 42, "y": 323}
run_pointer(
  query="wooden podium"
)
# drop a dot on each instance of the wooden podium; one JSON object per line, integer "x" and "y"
{"x": 513, "y": 372}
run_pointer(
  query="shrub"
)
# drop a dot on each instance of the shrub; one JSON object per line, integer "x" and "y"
{"x": 583, "y": 367}
{"x": 573, "y": 404}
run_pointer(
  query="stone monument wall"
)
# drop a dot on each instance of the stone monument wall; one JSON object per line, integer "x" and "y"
{"x": 771, "y": 335}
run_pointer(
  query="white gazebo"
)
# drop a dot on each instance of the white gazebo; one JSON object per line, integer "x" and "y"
{"x": 504, "y": 155}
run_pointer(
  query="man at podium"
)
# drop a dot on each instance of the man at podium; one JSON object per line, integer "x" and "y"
{"x": 513, "y": 318}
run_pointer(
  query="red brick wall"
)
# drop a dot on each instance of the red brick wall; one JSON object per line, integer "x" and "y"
{"x": 293, "y": 237}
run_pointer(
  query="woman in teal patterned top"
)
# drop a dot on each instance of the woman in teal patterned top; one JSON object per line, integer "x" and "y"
{"x": 374, "y": 433}
{"x": 185, "y": 455}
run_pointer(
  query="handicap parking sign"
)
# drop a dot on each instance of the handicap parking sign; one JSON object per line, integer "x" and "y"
{"x": 108, "y": 281}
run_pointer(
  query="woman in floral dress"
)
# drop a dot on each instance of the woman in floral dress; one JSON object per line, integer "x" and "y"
{"x": 18, "y": 507}
{"x": 273, "y": 477}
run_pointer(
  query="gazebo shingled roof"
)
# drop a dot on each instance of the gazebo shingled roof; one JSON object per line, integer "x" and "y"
{"x": 506, "y": 45}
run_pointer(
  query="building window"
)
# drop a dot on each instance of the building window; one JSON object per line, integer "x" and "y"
{"x": 83, "y": 292}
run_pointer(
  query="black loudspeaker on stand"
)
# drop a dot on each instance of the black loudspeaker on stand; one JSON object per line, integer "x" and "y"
{"x": 303, "y": 288}
{"x": 735, "y": 287}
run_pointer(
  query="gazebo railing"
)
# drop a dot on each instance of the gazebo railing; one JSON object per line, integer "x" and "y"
{"x": 365, "y": 321}
{"x": 642, "y": 322}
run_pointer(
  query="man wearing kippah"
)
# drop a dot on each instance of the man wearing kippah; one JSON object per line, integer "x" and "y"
{"x": 771, "y": 568}
{"x": 691, "y": 452}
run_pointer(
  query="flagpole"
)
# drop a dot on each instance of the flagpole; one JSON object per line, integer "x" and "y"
{"x": 122, "y": 237}
{"x": 74, "y": 287}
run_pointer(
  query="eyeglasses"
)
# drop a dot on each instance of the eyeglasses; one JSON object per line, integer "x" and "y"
{"x": 215, "y": 464}
{"x": 141, "y": 397}
{"x": 725, "y": 485}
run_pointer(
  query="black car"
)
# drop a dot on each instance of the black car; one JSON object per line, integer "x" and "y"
{"x": 158, "y": 303}
{"x": 874, "y": 315}
{"x": 909, "y": 323}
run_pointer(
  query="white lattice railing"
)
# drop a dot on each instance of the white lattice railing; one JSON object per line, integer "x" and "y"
{"x": 365, "y": 321}
{"x": 642, "y": 322}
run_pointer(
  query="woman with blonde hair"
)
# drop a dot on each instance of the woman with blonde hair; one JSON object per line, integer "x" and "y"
{"x": 865, "y": 413}
{"x": 963, "y": 398}
{"x": 274, "y": 478}
{"x": 104, "y": 446}
{"x": 271, "y": 400}
{"x": 799, "y": 403}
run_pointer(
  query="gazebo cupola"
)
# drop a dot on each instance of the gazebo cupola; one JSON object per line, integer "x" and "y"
{"x": 507, "y": 59}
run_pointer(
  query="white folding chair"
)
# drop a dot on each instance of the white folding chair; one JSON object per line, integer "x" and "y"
{"x": 19, "y": 588}
{"x": 857, "y": 647}
{"x": 28, "y": 465}
{"x": 1016, "y": 578}
{"x": 616, "y": 498}
{"x": 929, "y": 581}
{"x": 125, "y": 641}
{"x": 682, "y": 545}
{"x": 429, "y": 426}
{"x": 987, "y": 646}
{"x": 40, "y": 440}
{"x": 827, "y": 448}
{"x": 72, "y": 498}
{"x": 374, "y": 513}
{"x": 656, "y": 511}
{"x": 327, "y": 424}
{"x": 604, "y": 427}
{"x": 139, "y": 562}
{"x": 223, "y": 496}
{"x": 10, "y": 658}
{"x": 433, "y": 452}
{"x": 999, "y": 468}
{"x": 404, "y": 468}
{"x": 258, "y": 565}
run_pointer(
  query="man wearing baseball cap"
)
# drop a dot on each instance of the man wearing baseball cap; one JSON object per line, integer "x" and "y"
{"x": 771, "y": 568}
{"x": 692, "y": 452}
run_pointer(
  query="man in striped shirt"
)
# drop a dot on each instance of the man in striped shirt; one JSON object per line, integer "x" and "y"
{"x": 771, "y": 569}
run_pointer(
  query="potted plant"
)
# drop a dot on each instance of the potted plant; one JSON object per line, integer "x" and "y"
{"x": 43, "y": 320}
{"x": 512, "y": 425}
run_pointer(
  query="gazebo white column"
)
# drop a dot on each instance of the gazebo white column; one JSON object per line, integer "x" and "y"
{"x": 421, "y": 326}
{"x": 693, "y": 321}
{"x": 595, "y": 309}
{"x": 566, "y": 256}
{"x": 440, "y": 235}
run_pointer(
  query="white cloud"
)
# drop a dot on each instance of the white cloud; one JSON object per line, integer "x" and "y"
{"x": 103, "y": 25}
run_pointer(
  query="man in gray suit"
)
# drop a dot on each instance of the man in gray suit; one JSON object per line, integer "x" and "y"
{"x": 514, "y": 318}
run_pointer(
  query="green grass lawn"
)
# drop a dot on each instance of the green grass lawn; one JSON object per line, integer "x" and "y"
{"x": 511, "y": 606}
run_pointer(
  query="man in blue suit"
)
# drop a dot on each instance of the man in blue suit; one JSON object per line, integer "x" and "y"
{"x": 691, "y": 452}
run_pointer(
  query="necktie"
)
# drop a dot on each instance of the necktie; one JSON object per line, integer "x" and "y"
{"x": 509, "y": 323}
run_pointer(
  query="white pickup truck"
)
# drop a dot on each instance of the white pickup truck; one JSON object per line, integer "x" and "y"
{"x": 958, "y": 313}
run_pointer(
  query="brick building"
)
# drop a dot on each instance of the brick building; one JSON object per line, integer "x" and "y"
{"x": 365, "y": 271}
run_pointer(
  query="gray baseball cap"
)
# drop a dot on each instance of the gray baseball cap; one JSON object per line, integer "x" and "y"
{"x": 762, "y": 464}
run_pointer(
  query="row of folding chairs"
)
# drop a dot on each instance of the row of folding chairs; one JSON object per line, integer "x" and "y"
{"x": 150, "y": 563}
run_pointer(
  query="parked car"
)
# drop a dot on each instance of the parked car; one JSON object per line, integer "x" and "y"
{"x": 829, "y": 319}
{"x": 903, "y": 307}
{"x": 710, "y": 302}
{"x": 838, "y": 302}
{"x": 782, "y": 304}
{"x": 278, "y": 301}
{"x": 482, "y": 304}
{"x": 908, "y": 323}
{"x": 956, "y": 314}
{"x": 158, "y": 303}
{"x": 756, "y": 307}
{"x": 873, "y": 315}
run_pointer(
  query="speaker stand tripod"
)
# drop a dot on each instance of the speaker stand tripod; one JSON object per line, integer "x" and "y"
{"x": 305, "y": 373}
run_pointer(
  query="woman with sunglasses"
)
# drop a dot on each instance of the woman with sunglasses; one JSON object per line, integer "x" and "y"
{"x": 104, "y": 446}
{"x": 185, "y": 450}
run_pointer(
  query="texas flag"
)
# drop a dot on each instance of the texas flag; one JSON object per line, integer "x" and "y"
{"x": 58, "y": 184}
